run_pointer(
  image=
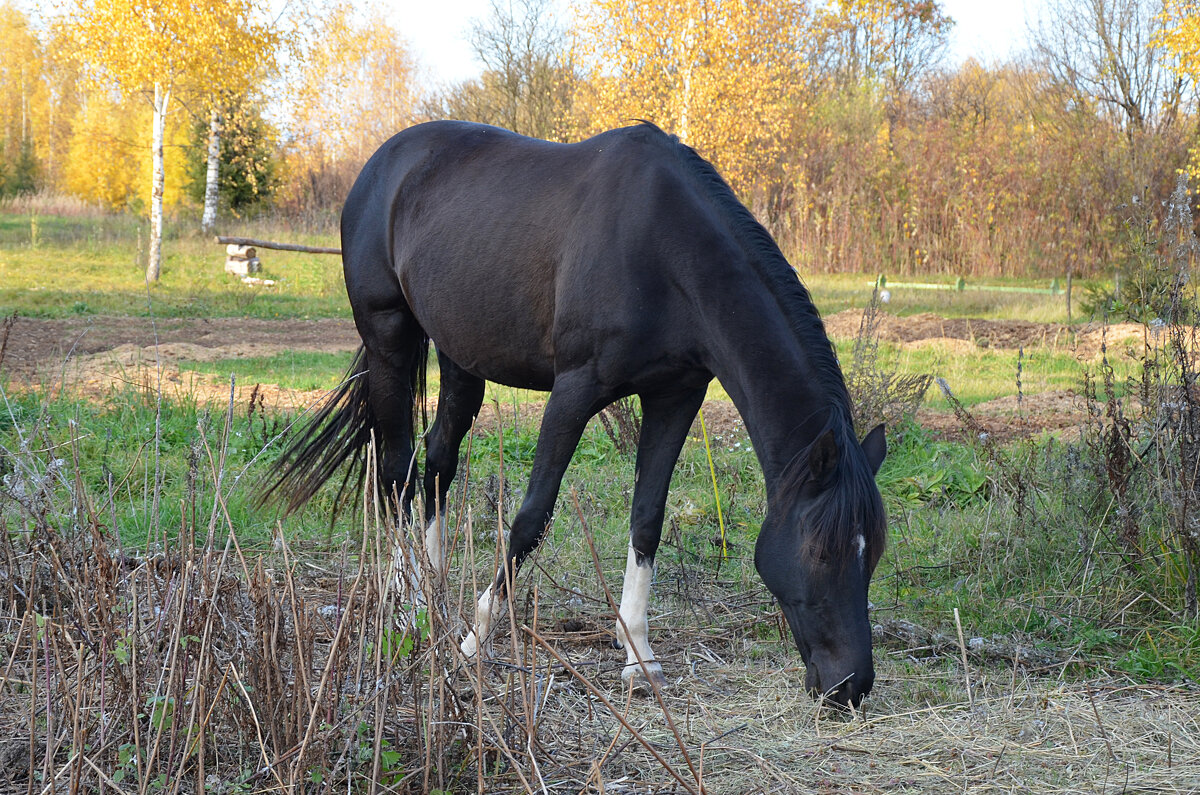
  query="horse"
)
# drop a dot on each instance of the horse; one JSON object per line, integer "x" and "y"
{"x": 616, "y": 266}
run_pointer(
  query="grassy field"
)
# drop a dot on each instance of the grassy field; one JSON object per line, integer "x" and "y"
{"x": 159, "y": 626}
{"x": 56, "y": 267}
{"x": 985, "y": 375}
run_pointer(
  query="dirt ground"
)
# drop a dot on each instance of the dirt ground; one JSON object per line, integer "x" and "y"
{"x": 89, "y": 354}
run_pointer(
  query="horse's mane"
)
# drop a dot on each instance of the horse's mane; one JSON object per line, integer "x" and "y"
{"x": 853, "y": 504}
{"x": 768, "y": 261}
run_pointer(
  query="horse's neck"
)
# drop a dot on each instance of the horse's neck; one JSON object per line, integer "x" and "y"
{"x": 774, "y": 381}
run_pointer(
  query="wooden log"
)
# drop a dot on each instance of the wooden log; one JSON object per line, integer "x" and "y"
{"x": 249, "y": 241}
{"x": 242, "y": 267}
{"x": 240, "y": 252}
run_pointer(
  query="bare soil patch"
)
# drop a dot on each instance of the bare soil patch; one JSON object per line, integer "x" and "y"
{"x": 1007, "y": 418}
{"x": 42, "y": 346}
{"x": 919, "y": 330}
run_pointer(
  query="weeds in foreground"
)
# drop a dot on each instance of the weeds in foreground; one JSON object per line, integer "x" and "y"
{"x": 193, "y": 662}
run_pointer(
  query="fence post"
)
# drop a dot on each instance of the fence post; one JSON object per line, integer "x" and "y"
{"x": 1069, "y": 274}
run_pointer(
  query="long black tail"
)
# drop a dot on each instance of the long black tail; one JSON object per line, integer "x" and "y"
{"x": 338, "y": 433}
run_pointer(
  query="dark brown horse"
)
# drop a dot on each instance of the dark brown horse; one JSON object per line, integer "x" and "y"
{"x": 616, "y": 266}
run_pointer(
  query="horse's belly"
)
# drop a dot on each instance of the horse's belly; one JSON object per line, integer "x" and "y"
{"x": 489, "y": 342}
{"x": 491, "y": 363}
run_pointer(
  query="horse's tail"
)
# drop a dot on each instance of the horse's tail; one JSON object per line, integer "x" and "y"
{"x": 339, "y": 432}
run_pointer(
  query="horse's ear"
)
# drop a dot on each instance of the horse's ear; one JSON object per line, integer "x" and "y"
{"x": 875, "y": 446}
{"x": 823, "y": 456}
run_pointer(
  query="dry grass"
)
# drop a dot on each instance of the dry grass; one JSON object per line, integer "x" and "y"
{"x": 192, "y": 666}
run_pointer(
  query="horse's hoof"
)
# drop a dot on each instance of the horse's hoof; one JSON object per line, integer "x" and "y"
{"x": 642, "y": 679}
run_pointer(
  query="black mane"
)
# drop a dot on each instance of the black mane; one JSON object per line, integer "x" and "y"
{"x": 853, "y": 503}
{"x": 766, "y": 258}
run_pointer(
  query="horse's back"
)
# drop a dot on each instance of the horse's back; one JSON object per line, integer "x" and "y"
{"x": 520, "y": 256}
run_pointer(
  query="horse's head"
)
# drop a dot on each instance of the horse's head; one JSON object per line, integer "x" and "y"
{"x": 816, "y": 553}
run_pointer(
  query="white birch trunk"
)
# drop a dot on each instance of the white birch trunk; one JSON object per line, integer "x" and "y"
{"x": 685, "y": 131}
{"x": 209, "y": 219}
{"x": 161, "y": 97}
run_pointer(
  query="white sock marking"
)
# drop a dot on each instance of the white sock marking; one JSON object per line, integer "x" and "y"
{"x": 635, "y": 597}
{"x": 408, "y": 565}
{"x": 483, "y": 622}
{"x": 435, "y": 538}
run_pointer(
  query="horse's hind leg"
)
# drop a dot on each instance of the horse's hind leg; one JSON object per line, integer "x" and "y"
{"x": 576, "y": 397}
{"x": 396, "y": 350}
{"x": 459, "y": 398}
{"x": 665, "y": 423}
{"x": 395, "y": 355}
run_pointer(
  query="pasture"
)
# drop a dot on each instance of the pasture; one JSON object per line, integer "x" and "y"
{"x": 1034, "y": 613}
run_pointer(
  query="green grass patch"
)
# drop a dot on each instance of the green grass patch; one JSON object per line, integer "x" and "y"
{"x": 835, "y": 292}
{"x": 147, "y": 464}
{"x": 983, "y": 374}
{"x": 56, "y": 267}
{"x": 303, "y": 370}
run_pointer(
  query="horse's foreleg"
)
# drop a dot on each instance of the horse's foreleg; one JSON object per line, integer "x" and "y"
{"x": 665, "y": 423}
{"x": 575, "y": 399}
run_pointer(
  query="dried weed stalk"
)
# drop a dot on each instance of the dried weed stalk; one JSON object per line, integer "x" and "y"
{"x": 623, "y": 425}
{"x": 879, "y": 395}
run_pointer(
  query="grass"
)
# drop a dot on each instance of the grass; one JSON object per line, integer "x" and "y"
{"x": 835, "y": 292}
{"x": 305, "y": 370}
{"x": 984, "y": 374}
{"x": 928, "y": 485}
{"x": 978, "y": 376}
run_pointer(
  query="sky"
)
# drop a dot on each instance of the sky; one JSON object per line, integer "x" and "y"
{"x": 990, "y": 30}
{"x": 438, "y": 29}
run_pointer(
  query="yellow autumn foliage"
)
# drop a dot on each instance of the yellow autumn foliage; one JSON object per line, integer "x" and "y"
{"x": 22, "y": 93}
{"x": 103, "y": 154}
{"x": 1181, "y": 37}
{"x": 105, "y": 160}
{"x": 356, "y": 88}
{"x": 720, "y": 74}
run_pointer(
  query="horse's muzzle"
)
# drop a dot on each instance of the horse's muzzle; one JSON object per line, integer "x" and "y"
{"x": 848, "y": 690}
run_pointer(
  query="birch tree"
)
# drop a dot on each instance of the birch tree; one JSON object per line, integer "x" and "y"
{"x": 161, "y": 48}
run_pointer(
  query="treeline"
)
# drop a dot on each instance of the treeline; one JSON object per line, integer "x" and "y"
{"x": 841, "y": 124}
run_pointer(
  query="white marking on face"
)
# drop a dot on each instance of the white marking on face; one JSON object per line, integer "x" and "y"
{"x": 861, "y": 542}
{"x": 483, "y": 621}
{"x": 635, "y": 599}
